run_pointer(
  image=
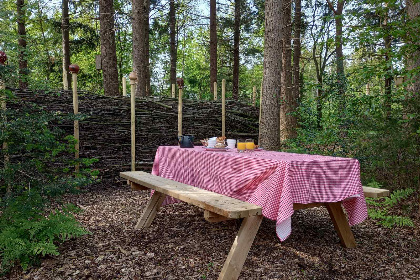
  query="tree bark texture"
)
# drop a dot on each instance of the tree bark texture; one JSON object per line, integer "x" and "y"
{"x": 173, "y": 45}
{"x": 65, "y": 25}
{"x": 147, "y": 47}
{"x": 286, "y": 98}
{"x": 139, "y": 45}
{"x": 23, "y": 62}
{"x": 269, "y": 134}
{"x": 413, "y": 61}
{"x": 213, "y": 45}
{"x": 236, "y": 40}
{"x": 108, "y": 48}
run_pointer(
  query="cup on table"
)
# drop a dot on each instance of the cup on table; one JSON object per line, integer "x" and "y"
{"x": 231, "y": 143}
{"x": 211, "y": 143}
{"x": 249, "y": 144}
{"x": 241, "y": 146}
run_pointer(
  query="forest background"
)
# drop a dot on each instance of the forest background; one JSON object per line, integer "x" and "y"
{"x": 348, "y": 70}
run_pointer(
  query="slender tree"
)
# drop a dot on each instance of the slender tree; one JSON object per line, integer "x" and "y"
{"x": 297, "y": 25}
{"x": 338, "y": 18}
{"x": 108, "y": 48}
{"x": 213, "y": 45}
{"x": 139, "y": 46}
{"x": 23, "y": 62}
{"x": 147, "y": 47}
{"x": 236, "y": 40}
{"x": 413, "y": 61}
{"x": 286, "y": 73}
{"x": 173, "y": 44}
{"x": 270, "y": 114}
{"x": 65, "y": 24}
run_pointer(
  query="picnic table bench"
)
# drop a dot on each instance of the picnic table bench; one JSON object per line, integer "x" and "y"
{"x": 218, "y": 207}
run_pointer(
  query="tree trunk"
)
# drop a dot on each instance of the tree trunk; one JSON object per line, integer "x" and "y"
{"x": 23, "y": 63}
{"x": 236, "y": 39}
{"x": 413, "y": 61}
{"x": 147, "y": 47}
{"x": 286, "y": 98}
{"x": 172, "y": 26}
{"x": 270, "y": 113}
{"x": 388, "y": 65}
{"x": 108, "y": 50}
{"x": 139, "y": 46}
{"x": 65, "y": 24}
{"x": 213, "y": 45}
{"x": 296, "y": 66}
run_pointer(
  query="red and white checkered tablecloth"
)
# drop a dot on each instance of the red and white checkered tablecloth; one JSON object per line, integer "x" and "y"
{"x": 272, "y": 180}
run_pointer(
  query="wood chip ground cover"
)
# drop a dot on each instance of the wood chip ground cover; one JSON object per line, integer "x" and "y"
{"x": 180, "y": 244}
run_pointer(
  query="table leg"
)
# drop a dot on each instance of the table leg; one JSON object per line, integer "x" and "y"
{"x": 151, "y": 209}
{"x": 340, "y": 224}
{"x": 240, "y": 248}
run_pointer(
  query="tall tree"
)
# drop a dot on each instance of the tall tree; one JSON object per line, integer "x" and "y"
{"x": 139, "y": 46}
{"x": 236, "y": 40}
{"x": 413, "y": 62}
{"x": 213, "y": 45}
{"x": 270, "y": 124}
{"x": 108, "y": 49}
{"x": 65, "y": 24}
{"x": 338, "y": 18}
{"x": 297, "y": 25}
{"x": 23, "y": 62}
{"x": 286, "y": 99}
{"x": 147, "y": 47}
{"x": 173, "y": 44}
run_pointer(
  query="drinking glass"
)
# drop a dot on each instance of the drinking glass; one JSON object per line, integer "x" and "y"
{"x": 241, "y": 145}
{"x": 249, "y": 144}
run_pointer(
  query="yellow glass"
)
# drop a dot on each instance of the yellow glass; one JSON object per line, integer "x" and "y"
{"x": 249, "y": 143}
{"x": 241, "y": 146}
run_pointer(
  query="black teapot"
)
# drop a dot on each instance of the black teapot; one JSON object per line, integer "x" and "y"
{"x": 186, "y": 141}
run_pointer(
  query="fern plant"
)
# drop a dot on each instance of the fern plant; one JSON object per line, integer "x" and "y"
{"x": 39, "y": 170}
{"x": 382, "y": 207}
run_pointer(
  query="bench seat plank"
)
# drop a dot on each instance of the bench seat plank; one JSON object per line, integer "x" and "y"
{"x": 213, "y": 202}
{"x": 375, "y": 192}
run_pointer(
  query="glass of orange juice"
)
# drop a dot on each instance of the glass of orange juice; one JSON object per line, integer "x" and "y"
{"x": 249, "y": 144}
{"x": 241, "y": 145}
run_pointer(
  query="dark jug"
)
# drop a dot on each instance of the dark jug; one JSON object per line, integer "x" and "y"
{"x": 186, "y": 141}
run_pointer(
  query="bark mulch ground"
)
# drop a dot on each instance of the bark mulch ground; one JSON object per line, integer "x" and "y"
{"x": 180, "y": 244}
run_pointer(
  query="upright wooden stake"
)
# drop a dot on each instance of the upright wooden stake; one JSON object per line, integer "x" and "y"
{"x": 133, "y": 78}
{"x": 124, "y": 84}
{"x": 74, "y": 69}
{"x": 223, "y": 108}
{"x": 180, "y": 83}
{"x": 215, "y": 91}
{"x": 173, "y": 90}
{"x": 254, "y": 95}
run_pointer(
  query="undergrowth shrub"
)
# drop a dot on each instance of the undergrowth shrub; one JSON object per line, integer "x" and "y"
{"x": 36, "y": 169}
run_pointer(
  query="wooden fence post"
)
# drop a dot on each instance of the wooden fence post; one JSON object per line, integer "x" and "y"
{"x": 74, "y": 70}
{"x": 173, "y": 90}
{"x": 215, "y": 91}
{"x": 133, "y": 78}
{"x": 180, "y": 83}
{"x": 223, "y": 108}
{"x": 124, "y": 86}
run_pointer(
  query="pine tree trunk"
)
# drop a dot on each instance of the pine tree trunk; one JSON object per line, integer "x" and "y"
{"x": 147, "y": 47}
{"x": 413, "y": 61}
{"x": 236, "y": 40}
{"x": 270, "y": 113}
{"x": 139, "y": 46}
{"x": 173, "y": 50}
{"x": 65, "y": 25}
{"x": 108, "y": 49}
{"x": 23, "y": 62}
{"x": 286, "y": 73}
{"x": 213, "y": 45}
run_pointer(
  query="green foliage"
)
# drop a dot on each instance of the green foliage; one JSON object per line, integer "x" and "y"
{"x": 381, "y": 207}
{"x": 35, "y": 170}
